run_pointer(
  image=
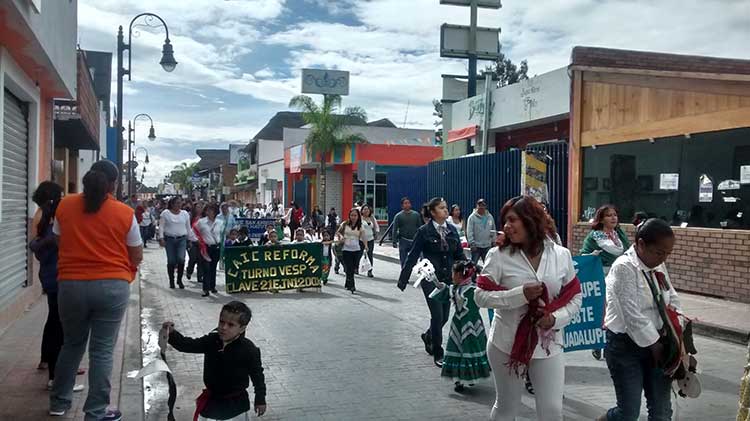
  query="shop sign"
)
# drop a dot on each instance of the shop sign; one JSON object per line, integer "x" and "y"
{"x": 669, "y": 181}
{"x": 255, "y": 226}
{"x": 269, "y": 268}
{"x": 705, "y": 189}
{"x": 295, "y": 159}
{"x": 745, "y": 174}
{"x": 326, "y": 82}
{"x": 585, "y": 328}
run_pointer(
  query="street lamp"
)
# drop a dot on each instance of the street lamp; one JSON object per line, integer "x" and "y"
{"x": 167, "y": 62}
{"x": 131, "y": 142}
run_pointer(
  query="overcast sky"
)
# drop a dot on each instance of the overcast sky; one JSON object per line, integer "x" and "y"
{"x": 240, "y": 60}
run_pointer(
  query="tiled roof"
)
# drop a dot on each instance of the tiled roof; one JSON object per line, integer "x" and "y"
{"x": 212, "y": 158}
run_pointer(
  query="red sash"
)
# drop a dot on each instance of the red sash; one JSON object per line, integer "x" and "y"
{"x": 200, "y": 403}
{"x": 527, "y": 337}
{"x": 202, "y": 246}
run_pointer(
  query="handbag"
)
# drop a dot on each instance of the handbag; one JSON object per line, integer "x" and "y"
{"x": 364, "y": 264}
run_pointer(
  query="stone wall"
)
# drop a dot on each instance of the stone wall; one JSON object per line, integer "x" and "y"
{"x": 704, "y": 261}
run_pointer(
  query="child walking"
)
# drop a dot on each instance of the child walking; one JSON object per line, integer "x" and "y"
{"x": 230, "y": 360}
{"x": 327, "y": 256}
{"x": 465, "y": 357}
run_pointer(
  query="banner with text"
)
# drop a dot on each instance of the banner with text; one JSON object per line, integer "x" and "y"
{"x": 585, "y": 330}
{"x": 255, "y": 227}
{"x": 273, "y": 268}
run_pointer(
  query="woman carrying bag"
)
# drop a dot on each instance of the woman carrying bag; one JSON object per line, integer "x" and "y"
{"x": 371, "y": 229}
{"x": 352, "y": 236}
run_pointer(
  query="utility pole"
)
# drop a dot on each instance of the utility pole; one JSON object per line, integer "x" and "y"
{"x": 472, "y": 89}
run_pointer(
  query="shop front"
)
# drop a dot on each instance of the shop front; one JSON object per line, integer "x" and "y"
{"x": 667, "y": 135}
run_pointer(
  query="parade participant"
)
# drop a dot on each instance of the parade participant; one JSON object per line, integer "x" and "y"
{"x": 635, "y": 328}
{"x": 209, "y": 230}
{"x": 174, "y": 229}
{"x": 243, "y": 237}
{"x": 405, "y": 226}
{"x": 466, "y": 353}
{"x": 299, "y": 236}
{"x": 457, "y": 220}
{"x": 100, "y": 248}
{"x": 351, "y": 235}
{"x": 229, "y": 360}
{"x": 295, "y": 216}
{"x": 233, "y": 238}
{"x": 480, "y": 231}
{"x": 44, "y": 246}
{"x": 194, "y": 250}
{"x": 327, "y": 256}
{"x": 143, "y": 216}
{"x": 132, "y": 201}
{"x": 607, "y": 240}
{"x": 311, "y": 235}
{"x": 273, "y": 239}
{"x": 227, "y": 223}
{"x": 439, "y": 243}
{"x": 531, "y": 284}
{"x": 266, "y": 235}
{"x": 372, "y": 229}
{"x": 332, "y": 222}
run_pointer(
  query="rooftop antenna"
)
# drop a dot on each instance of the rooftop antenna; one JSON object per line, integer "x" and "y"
{"x": 407, "y": 113}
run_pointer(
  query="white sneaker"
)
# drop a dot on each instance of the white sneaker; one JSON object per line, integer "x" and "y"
{"x": 76, "y": 388}
{"x": 56, "y": 413}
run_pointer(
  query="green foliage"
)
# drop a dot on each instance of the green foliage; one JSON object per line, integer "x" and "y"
{"x": 182, "y": 175}
{"x": 506, "y": 71}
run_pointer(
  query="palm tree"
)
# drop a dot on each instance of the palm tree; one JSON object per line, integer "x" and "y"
{"x": 183, "y": 175}
{"x": 327, "y": 131}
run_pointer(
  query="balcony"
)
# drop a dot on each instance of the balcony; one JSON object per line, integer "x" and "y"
{"x": 77, "y": 121}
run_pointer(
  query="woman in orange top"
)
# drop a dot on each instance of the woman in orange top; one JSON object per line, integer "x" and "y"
{"x": 100, "y": 248}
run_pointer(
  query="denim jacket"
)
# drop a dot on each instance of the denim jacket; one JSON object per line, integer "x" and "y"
{"x": 427, "y": 244}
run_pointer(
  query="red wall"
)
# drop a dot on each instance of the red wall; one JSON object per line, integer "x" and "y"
{"x": 398, "y": 154}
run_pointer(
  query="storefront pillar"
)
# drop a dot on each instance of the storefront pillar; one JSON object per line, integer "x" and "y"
{"x": 347, "y": 189}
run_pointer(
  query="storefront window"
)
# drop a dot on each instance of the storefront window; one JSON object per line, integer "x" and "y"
{"x": 376, "y": 195}
{"x": 701, "y": 181}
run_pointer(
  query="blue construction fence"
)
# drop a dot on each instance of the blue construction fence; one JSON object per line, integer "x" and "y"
{"x": 494, "y": 177}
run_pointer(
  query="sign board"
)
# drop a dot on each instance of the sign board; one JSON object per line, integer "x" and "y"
{"x": 295, "y": 159}
{"x": 534, "y": 176}
{"x": 271, "y": 184}
{"x": 454, "y": 42}
{"x": 585, "y": 329}
{"x": 745, "y": 174}
{"x": 255, "y": 226}
{"x": 487, "y": 4}
{"x": 236, "y": 153}
{"x": 705, "y": 189}
{"x": 669, "y": 181}
{"x": 326, "y": 82}
{"x": 273, "y": 268}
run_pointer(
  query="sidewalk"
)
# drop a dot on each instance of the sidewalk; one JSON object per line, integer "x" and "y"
{"x": 23, "y": 388}
{"x": 713, "y": 317}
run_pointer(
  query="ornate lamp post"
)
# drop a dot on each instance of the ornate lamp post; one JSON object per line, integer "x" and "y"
{"x": 168, "y": 63}
{"x": 131, "y": 142}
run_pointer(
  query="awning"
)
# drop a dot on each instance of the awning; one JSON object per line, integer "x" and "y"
{"x": 74, "y": 135}
{"x": 461, "y": 134}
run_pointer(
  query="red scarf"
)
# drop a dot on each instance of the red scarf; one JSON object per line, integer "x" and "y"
{"x": 202, "y": 246}
{"x": 527, "y": 337}
{"x": 139, "y": 211}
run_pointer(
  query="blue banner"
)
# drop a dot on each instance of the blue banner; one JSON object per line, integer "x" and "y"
{"x": 585, "y": 330}
{"x": 255, "y": 227}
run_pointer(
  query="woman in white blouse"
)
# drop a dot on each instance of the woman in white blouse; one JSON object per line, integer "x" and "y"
{"x": 455, "y": 218}
{"x": 209, "y": 231}
{"x": 371, "y": 230}
{"x": 352, "y": 236}
{"x": 634, "y": 325}
{"x": 531, "y": 284}
{"x": 174, "y": 229}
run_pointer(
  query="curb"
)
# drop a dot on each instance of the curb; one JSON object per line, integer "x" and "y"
{"x": 131, "y": 390}
{"x": 722, "y": 333}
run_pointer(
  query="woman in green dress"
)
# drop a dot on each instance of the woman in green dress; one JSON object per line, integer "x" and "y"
{"x": 465, "y": 357}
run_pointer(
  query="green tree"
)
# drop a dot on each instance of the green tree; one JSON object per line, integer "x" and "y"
{"x": 327, "y": 131}
{"x": 506, "y": 71}
{"x": 182, "y": 175}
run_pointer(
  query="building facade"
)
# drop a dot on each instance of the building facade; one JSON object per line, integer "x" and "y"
{"x": 668, "y": 135}
{"x": 37, "y": 65}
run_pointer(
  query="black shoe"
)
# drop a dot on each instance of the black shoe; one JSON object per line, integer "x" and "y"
{"x": 214, "y": 291}
{"x": 459, "y": 387}
{"x": 205, "y": 294}
{"x": 439, "y": 363}
{"x": 181, "y": 285}
{"x": 597, "y": 354}
{"x": 427, "y": 343}
{"x": 529, "y": 386}
{"x": 369, "y": 274}
{"x": 171, "y": 286}
{"x": 336, "y": 271}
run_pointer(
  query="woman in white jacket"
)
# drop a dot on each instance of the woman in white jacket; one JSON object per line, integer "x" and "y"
{"x": 531, "y": 284}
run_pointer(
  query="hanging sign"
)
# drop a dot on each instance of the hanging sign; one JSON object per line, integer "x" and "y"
{"x": 273, "y": 268}
{"x": 729, "y": 185}
{"x": 745, "y": 174}
{"x": 255, "y": 226}
{"x": 585, "y": 328}
{"x": 705, "y": 189}
{"x": 669, "y": 181}
{"x": 534, "y": 176}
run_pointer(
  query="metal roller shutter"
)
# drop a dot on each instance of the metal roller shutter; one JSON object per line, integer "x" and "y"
{"x": 333, "y": 191}
{"x": 13, "y": 259}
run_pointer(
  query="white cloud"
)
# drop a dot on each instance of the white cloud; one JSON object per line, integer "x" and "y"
{"x": 264, "y": 73}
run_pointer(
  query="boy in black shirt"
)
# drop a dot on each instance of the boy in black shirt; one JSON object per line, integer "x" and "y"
{"x": 230, "y": 359}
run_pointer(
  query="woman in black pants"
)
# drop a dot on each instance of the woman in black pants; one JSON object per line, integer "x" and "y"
{"x": 209, "y": 231}
{"x": 352, "y": 236}
{"x": 194, "y": 247}
{"x": 437, "y": 241}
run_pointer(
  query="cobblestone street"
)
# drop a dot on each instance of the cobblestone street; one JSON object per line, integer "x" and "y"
{"x": 333, "y": 356}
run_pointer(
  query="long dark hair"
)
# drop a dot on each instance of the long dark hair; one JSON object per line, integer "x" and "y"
{"x": 598, "y": 223}
{"x": 47, "y": 196}
{"x": 97, "y": 183}
{"x": 431, "y": 206}
{"x": 536, "y": 221}
{"x": 460, "y": 213}
{"x": 348, "y": 221}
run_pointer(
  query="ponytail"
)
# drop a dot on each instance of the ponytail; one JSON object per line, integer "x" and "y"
{"x": 97, "y": 183}
{"x": 430, "y": 206}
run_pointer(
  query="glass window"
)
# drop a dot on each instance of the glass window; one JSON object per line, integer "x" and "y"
{"x": 694, "y": 180}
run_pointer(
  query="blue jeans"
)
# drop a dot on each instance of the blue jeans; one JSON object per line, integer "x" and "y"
{"x": 633, "y": 374}
{"x": 404, "y": 246}
{"x": 95, "y": 309}
{"x": 175, "y": 247}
